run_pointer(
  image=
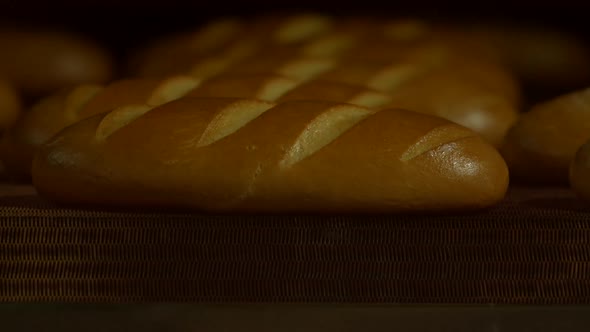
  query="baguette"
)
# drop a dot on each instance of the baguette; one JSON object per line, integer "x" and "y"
{"x": 40, "y": 62}
{"x": 37, "y": 125}
{"x": 541, "y": 145}
{"x": 241, "y": 155}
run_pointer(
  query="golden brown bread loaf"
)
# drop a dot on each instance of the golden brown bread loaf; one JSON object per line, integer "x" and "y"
{"x": 40, "y": 61}
{"x": 243, "y": 155}
{"x": 579, "y": 172}
{"x": 543, "y": 142}
{"x": 10, "y": 105}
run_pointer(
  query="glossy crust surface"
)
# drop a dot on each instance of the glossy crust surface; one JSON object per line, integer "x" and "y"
{"x": 244, "y": 155}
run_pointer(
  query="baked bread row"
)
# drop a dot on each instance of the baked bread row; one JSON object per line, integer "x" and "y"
{"x": 303, "y": 65}
{"x": 537, "y": 146}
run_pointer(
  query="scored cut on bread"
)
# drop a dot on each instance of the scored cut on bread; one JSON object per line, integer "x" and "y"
{"x": 470, "y": 100}
{"x": 244, "y": 155}
{"x": 67, "y": 106}
{"x": 55, "y": 112}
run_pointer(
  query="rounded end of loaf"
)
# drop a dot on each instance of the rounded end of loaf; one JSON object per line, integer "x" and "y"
{"x": 85, "y": 164}
{"x": 411, "y": 163}
{"x": 47, "y": 117}
{"x": 480, "y": 171}
{"x": 465, "y": 173}
{"x": 579, "y": 172}
{"x": 70, "y": 168}
{"x": 58, "y": 166}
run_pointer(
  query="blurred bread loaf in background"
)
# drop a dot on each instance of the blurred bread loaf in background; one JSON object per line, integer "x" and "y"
{"x": 40, "y": 61}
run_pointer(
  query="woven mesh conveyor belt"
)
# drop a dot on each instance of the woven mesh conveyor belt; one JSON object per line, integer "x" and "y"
{"x": 534, "y": 248}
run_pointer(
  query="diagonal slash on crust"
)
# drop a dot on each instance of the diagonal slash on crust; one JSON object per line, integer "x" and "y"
{"x": 433, "y": 139}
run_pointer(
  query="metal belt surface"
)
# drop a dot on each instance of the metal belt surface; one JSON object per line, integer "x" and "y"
{"x": 534, "y": 248}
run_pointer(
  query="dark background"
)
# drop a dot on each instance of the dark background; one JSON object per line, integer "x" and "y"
{"x": 125, "y": 24}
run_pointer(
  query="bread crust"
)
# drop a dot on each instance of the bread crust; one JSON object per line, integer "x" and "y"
{"x": 243, "y": 155}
